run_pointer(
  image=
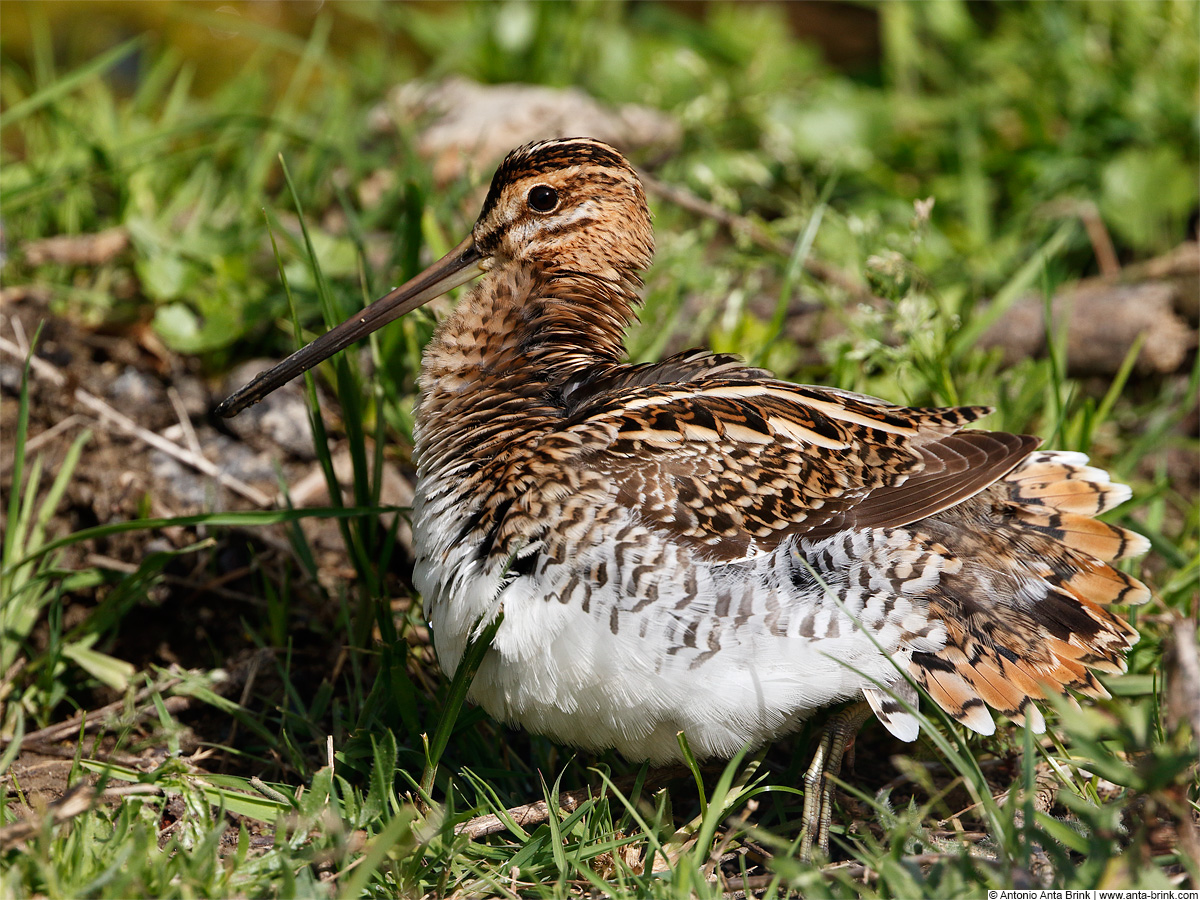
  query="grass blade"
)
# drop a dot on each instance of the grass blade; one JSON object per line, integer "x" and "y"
{"x": 457, "y": 695}
{"x": 70, "y": 82}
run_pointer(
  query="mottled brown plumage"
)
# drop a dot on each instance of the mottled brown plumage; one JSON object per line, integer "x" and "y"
{"x": 696, "y": 546}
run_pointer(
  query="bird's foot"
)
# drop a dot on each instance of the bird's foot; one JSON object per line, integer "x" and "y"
{"x": 821, "y": 775}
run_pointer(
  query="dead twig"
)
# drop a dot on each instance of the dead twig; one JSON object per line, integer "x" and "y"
{"x": 78, "y": 249}
{"x": 1097, "y": 232}
{"x": 18, "y": 293}
{"x": 46, "y": 437}
{"x": 212, "y": 585}
{"x": 1182, "y": 665}
{"x": 536, "y": 813}
{"x": 854, "y": 870}
{"x": 742, "y": 225}
{"x": 92, "y": 720}
{"x": 1102, "y": 245}
{"x": 185, "y": 421}
{"x": 525, "y": 816}
{"x": 58, "y": 751}
{"x": 78, "y": 799}
{"x": 6, "y": 682}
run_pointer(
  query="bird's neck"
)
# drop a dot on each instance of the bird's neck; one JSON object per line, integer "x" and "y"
{"x": 494, "y": 366}
{"x": 537, "y": 324}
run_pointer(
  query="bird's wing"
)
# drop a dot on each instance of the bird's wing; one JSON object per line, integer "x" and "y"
{"x": 733, "y": 466}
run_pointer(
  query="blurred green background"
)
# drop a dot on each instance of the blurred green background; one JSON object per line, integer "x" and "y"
{"x": 1010, "y": 115}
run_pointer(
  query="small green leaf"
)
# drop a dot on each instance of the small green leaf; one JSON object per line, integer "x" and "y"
{"x": 1146, "y": 193}
{"x": 177, "y": 325}
{"x": 165, "y": 276}
{"x": 113, "y": 672}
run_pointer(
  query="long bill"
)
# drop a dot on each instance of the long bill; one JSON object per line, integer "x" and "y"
{"x": 457, "y": 267}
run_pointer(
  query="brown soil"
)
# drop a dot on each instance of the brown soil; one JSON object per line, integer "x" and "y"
{"x": 202, "y": 612}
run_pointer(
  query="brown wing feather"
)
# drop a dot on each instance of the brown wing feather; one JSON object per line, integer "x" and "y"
{"x": 956, "y": 467}
{"x": 734, "y": 466}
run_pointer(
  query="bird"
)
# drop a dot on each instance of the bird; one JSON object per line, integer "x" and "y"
{"x": 695, "y": 547}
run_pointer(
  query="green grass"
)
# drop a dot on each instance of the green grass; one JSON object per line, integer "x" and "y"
{"x": 290, "y": 776}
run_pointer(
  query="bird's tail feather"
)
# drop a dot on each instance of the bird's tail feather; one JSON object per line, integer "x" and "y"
{"x": 1026, "y": 613}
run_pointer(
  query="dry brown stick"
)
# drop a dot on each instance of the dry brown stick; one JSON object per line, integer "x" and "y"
{"x": 1181, "y": 262}
{"x": 78, "y": 249}
{"x": 107, "y": 414}
{"x": 1102, "y": 245}
{"x": 524, "y": 816}
{"x": 1087, "y": 213}
{"x": 1182, "y": 663}
{"x": 46, "y": 437}
{"x": 58, "y": 751}
{"x": 91, "y": 720}
{"x": 537, "y": 813}
{"x": 18, "y": 293}
{"x": 6, "y": 682}
{"x": 211, "y": 586}
{"x": 173, "y": 705}
{"x": 854, "y": 870}
{"x": 742, "y": 225}
{"x": 185, "y": 421}
{"x": 78, "y": 799}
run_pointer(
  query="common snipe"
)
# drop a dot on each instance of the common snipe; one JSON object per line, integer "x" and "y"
{"x": 697, "y": 546}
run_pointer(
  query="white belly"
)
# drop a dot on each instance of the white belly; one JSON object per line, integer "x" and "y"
{"x": 732, "y": 654}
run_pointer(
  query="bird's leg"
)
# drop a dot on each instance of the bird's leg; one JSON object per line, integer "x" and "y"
{"x": 818, "y": 780}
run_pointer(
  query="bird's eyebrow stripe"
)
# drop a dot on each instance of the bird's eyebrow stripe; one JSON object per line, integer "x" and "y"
{"x": 558, "y": 156}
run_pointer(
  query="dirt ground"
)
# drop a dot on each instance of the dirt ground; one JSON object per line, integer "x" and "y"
{"x": 195, "y": 616}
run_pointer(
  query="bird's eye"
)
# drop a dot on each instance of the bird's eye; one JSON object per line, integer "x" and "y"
{"x": 542, "y": 198}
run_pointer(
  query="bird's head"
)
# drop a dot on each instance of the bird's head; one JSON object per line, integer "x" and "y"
{"x": 571, "y": 206}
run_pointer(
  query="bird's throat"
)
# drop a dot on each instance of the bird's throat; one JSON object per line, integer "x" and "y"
{"x": 497, "y": 363}
{"x": 540, "y": 323}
